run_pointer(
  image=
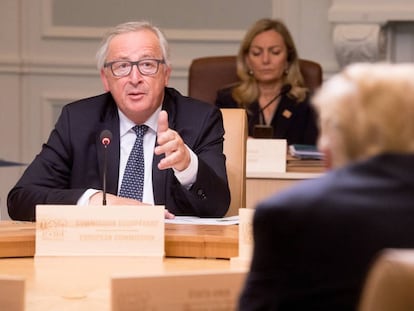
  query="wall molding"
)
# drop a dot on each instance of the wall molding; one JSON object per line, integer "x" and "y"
{"x": 51, "y": 107}
{"x": 10, "y": 64}
{"x": 359, "y": 43}
{"x": 62, "y": 67}
{"x": 361, "y": 32}
{"x": 375, "y": 12}
{"x": 50, "y": 31}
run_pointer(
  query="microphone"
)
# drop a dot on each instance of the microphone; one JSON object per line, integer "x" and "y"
{"x": 285, "y": 89}
{"x": 105, "y": 137}
{"x": 266, "y": 131}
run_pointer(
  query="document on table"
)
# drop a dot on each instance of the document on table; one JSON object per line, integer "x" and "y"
{"x": 223, "y": 221}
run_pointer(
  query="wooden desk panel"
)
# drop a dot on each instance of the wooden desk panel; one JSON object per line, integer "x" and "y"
{"x": 17, "y": 239}
{"x": 261, "y": 185}
{"x": 258, "y": 189}
{"x": 203, "y": 241}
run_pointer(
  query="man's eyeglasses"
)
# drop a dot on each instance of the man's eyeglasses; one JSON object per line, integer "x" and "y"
{"x": 122, "y": 68}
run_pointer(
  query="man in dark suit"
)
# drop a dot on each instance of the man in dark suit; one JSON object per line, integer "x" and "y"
{"x": 314, "y": 243}
{"x": 183, "y": 156}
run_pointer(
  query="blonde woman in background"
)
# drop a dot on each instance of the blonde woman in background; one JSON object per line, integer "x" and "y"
{"x": 271, "y": 86}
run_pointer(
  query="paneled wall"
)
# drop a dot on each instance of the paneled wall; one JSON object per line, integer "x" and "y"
{"x": 47, "y": 54}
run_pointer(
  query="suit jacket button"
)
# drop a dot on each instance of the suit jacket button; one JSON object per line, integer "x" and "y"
{"x": 201, "y": 194}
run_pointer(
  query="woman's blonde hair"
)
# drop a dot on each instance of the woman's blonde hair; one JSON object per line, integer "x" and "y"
{"x": 247, "y": 91}
{"x": 366, "y": 110}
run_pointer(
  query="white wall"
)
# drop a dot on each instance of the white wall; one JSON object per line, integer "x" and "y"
{"x": 48, "y": 48}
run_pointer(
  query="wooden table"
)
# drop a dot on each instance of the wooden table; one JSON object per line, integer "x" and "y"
{"x": 17, "y": 239}
{"x": 82, "y": 283}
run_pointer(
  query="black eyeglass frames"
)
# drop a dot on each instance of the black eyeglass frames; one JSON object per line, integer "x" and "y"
{"x": 122, "y": 68}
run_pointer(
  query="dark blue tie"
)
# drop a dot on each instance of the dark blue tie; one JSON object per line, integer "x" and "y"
{"x": 132, "y": 185}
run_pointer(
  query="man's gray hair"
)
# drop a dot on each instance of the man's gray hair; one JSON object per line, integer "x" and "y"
{"x": 102, "y": 52}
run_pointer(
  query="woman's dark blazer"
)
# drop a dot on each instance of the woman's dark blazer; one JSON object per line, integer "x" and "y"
{"x": 293, "y": 121}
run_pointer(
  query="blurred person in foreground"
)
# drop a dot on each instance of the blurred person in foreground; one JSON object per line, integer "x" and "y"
{"x": 271, "y": 87}
{"x": 184, "y": 164}
{"x": 314, "y": 243}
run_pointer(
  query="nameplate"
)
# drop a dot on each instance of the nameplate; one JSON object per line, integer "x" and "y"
{"x": 71, "y": 230}
{"x": 245, "y": 239}
{"x": 266, "y": 155}
{"x": 192, "y": 291}
{"x": 246, "y": 232}
{"x": 12, "y": 297}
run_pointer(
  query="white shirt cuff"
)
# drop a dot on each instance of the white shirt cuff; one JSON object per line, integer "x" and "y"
{"x": 188, "y": 176}
{"x": 84, "y": 199}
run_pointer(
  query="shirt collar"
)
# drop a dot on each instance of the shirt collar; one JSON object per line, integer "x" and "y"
{"x": 126, "y": 124}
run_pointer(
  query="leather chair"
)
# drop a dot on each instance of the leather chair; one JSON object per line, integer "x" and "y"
{"x": 209, "y": 74}
{"x": 234, "y": 147}
{"x": 390, "y": 282}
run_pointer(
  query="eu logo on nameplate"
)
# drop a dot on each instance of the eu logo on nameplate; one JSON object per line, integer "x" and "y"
{"x": 70, "y": 230}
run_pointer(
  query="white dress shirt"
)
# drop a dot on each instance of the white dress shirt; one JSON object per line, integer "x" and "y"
{"x": 186, "y": 177}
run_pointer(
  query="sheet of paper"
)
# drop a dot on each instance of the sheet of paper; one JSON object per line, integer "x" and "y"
{"x": 266, "y": 155}
{"x": 224, "y": 221}
{"x": 70, "y": 230}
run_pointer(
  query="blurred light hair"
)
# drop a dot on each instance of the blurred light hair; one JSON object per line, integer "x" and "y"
{"x": 366, "y": 110}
